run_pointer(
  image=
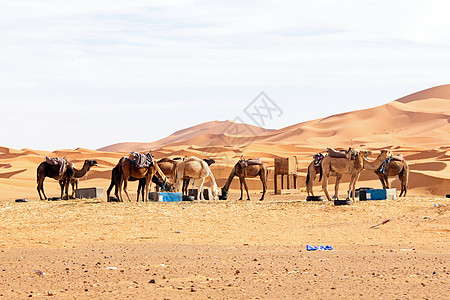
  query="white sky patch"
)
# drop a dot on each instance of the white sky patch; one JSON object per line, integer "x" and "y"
{"x": 205, "y": 60}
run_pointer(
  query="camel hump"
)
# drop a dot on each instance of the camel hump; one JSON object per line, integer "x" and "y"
{"x": 342, "y": 153}
{"x": 57, "y": 161}
{"x": 337, "y": 153}
{"x": 398, "y": 157}
{"x": 142, "y": 160}
{"x": 250, "y": 162}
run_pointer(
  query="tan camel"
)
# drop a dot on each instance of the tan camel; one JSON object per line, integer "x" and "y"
{"x": 353, "y": 167}
{"x": 394, "y": 168}
{"x": 195, "y": 168}
{"x": 311, "y": 176}
{"x": 243, "y": 171}
{"x": 47, "y": 170}
{"x": 128, "y": 169}
{"x": 73, "y": 180}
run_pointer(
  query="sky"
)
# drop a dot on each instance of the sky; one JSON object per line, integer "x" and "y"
{"x": 94, "y": 73}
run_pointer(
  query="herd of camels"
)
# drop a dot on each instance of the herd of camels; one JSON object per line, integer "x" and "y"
{"x": 174, "y": 174}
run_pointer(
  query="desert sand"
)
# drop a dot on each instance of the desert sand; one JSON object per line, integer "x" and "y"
{"x": 240, "y": 249}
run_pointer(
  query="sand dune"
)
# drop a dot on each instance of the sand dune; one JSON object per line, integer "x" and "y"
{"x": 417, "y": 126}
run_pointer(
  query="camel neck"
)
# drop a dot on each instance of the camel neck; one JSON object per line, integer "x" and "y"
{"x": 82, "y": 172}
{"x": 372, "y": 165}
{"x": 230, "y": 179}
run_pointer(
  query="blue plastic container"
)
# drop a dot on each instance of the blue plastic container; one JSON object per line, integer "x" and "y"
{"x": 166, "y": 197}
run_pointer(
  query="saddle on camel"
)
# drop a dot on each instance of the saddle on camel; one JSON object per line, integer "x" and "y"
{"x": 247, "y": 169}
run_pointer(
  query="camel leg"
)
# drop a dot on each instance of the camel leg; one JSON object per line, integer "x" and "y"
{"x": 325, "y": 173}
{"x": 200, "y": 189}
{"x": 108, "y": 192}
{"x": 264, "y": 184}
{"x": 336, "y": 186}
{"x": 66, "y": 189}
{"x": 61, "y": 184}
{"x": 242, "y": 187}
{"x": 74, "y": 187}
{"x": 246, "y": 188}
{"x": 382, "y": 180}
{"x": 309, "y": 184}
{"x": 40, "y": 188}
{"x": 352, "y": 186}
{"x": 125, "y": 189}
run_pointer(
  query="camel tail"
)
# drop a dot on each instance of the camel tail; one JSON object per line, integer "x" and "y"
{"x": 320, "y": 172}
{"x": 404, "y": 173}
{"x": 307, "y": 177}
{"x": 37, "y": 175}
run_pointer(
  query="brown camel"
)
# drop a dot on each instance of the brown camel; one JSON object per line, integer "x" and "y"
{"x": 247, "y": 171}
{"x": 311, "y": 176}
{"x": 195, "y": 168}
{"x": 353, "y": 167}
{"x": 128, "y": 169}
{"x": 47, "y": 170}
{"x": 115, "y": 181}
{"x": 73, "y": 180}
{"x": 394, "y": 168}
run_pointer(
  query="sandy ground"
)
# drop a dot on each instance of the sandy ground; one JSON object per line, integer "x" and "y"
{"x": 80, "y": 249}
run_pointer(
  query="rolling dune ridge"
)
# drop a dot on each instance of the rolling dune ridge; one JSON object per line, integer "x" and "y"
{"x": 417, "y": 126}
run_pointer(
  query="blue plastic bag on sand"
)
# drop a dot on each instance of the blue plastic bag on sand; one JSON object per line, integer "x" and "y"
{"x": 312, "y": 248}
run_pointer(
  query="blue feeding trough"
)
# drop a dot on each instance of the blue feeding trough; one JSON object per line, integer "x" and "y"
{"x": 165, "y": 197}
{"x": 378, "y": 194}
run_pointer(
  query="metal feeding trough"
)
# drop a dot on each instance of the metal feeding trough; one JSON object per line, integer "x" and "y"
{"x": 342, "y": 202}
{"x": 90, "y": 193}
{"x": 207, "y": 194}
{"x": 314, "y": 198}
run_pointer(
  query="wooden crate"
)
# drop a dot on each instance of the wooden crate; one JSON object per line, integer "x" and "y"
{"x": 285, "y": 165}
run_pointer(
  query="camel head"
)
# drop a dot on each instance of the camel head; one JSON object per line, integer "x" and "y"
{"x": 224, "y": 192}
{"x": 365, "y": 153}
{"x": 209, "y": 161}
{"x": 386, "y": 153}
{"x": 90, "y": 163}
{"x": 170, "y": 186}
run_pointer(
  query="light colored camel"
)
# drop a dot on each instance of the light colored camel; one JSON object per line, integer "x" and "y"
{"x": 195, "y": 168}
{"x": 394, "y": 168}
{"x": 249, "y": 171}
{"x": 311, "y": 176}
{"x": 353, "y": 167}
{"x": 128, "y": 169}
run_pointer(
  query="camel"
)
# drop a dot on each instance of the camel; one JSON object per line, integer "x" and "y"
{"x": 47, "y": 170}
{"x": 311, "y": 176}
{"x": 73, "y": 180}
{"x": 394, "y": 168}
{"x": 186, "y": 181}
{"x": 353, "y": 167}
{"x": 128, "y": 169}
{"x": 247, "y": 171}
{"x": 115, "y": 181}
{"x": 195, "y": 168}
